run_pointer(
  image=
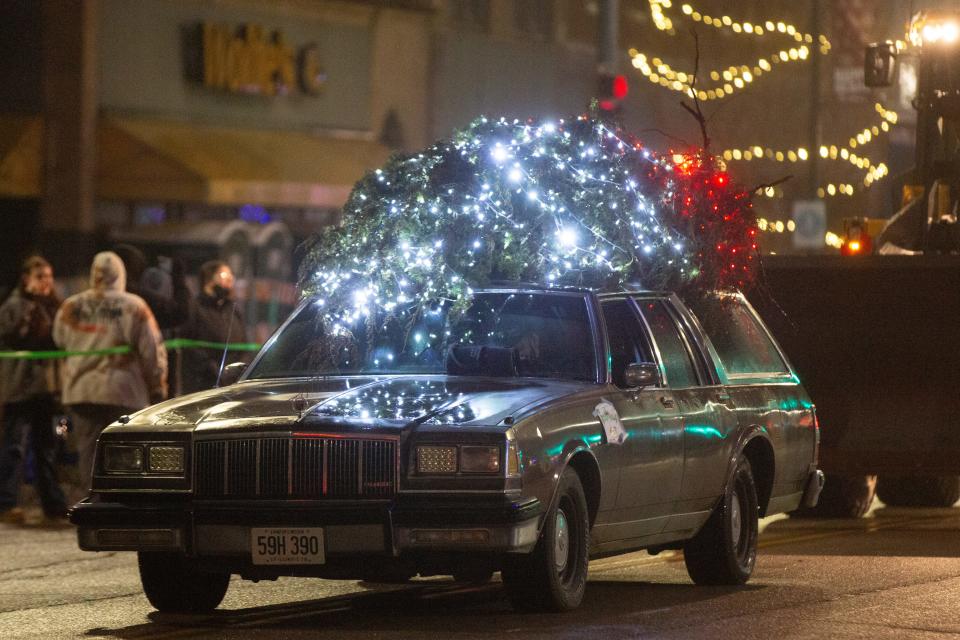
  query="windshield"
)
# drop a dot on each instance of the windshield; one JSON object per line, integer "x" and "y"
{"x": 545, "y": 335}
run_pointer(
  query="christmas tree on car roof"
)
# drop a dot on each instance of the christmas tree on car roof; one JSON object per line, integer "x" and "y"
{"x": 561, "y": 202}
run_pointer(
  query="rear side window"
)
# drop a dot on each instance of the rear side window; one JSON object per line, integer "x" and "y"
{"x": 673, "y": 351}
{"x": 741, "y": 341}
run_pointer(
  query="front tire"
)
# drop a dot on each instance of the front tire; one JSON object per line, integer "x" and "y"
{"x": 725, "y": 550}
{"x": 172, "y": 585}
{"x": 553, "y": 577}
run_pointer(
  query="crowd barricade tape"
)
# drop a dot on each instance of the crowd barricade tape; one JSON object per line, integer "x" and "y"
{"x": 176, "y": 343}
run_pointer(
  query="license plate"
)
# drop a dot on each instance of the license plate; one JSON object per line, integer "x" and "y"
{"x": 287, "y": 546}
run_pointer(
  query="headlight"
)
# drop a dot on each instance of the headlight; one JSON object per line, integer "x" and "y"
{"x": 143, "y": 459}
{"x": 122, "y": 459}
{"x": 437, "y": 459}
{"x": 165, "y": 459}
{"x": 479, "y": 459}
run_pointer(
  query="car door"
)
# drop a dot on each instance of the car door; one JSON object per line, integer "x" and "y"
{"x": 709, "y": 422}
{"x": 651, "y": 457}
{"x": 761, "y": 385}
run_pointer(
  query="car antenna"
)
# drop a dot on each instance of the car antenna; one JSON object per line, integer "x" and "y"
{"x": 226, "y": 345}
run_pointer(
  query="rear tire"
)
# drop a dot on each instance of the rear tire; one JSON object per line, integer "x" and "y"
{"x": 172, "y": 585}
{"x": 843, "y": 496}
{"x": 918, "y": 491}
{"x": 725, "y": 549}
{"x": 553, "y": 577}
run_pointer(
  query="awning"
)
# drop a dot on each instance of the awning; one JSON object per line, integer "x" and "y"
{"x": 164, "y": 161}
{"x": 21, "y": 141}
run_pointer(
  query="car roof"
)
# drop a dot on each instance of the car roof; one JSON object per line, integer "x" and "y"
{"x": 510, "y": 285}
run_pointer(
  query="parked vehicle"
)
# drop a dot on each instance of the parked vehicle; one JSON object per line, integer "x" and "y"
{"x": 537, "y": 430}
{"x": 873, "y": 332}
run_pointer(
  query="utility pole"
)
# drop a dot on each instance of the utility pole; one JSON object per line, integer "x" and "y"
{"x": 814, "y": 122}
{"x": 607, "y": 35}
{"x": 611, "y": 88}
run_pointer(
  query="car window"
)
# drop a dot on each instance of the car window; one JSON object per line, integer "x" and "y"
{"x": 536, "y": 334}
{"x": 676, "y": 358}
{"x": 628, "y": 343}
{"x": 742, "y": 343}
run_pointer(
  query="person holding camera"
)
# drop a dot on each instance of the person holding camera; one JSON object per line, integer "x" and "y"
{"x": 28, "y": 388}
{"x": 214, "y": 317}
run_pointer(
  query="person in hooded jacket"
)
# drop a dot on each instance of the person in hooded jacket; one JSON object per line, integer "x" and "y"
{"x": 27, "y": 389}
{"x": 98, "y": 389}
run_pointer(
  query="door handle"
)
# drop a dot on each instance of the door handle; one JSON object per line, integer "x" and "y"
{"x": 666, "y": 401}
{"x": 723, "y": 396}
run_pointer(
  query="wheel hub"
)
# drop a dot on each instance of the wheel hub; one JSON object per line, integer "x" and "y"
{"x": 736, "y": 520}
{"x": 561, "y": 544}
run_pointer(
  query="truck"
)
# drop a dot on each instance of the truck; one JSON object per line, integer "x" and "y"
{"x": 875, "y": 332}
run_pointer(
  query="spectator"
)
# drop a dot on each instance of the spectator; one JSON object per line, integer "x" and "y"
{"x": 163, "y": 289}
{"x": 216, "y": 317}
{"x": 28, "y": 388}
{"x": 98, "y": 389}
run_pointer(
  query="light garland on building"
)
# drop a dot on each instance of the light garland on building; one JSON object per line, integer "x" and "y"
{"x": 769, "y": 27}
{"x": 562, "y": 202}
{"x": 731, "y": 79}
{"x": 726, "y": 81}
{"x": 873, "y": 172}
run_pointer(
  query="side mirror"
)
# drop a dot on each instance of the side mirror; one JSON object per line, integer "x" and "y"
{"x": 641, "y": 374}
{"x": 231, "y": 373}
{"x": 879, "y": 64}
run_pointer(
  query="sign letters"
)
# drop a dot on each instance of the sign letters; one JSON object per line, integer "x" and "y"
{"x": 251, "y": 60}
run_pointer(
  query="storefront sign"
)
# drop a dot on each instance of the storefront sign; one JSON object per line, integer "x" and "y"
{"x": 251, "y": 60}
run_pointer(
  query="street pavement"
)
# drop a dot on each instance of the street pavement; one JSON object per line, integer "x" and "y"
{"x": 894, "y": 574}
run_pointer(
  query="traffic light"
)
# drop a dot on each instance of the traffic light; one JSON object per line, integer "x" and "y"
{"x": 611, "y": 90}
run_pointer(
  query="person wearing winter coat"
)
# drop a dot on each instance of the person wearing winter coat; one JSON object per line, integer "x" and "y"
{"x": 98, "y": 389}
{"x": 27, "y": 390}
{"x": 214, "y": 317}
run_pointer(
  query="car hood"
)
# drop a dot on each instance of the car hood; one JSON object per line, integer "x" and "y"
{"x": 396, "y": 400}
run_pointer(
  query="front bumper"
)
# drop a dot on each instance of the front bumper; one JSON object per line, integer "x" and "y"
{"x": 222, "y": 529}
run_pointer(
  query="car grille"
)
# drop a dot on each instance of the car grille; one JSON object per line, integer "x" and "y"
{"x": 296, "y": 468}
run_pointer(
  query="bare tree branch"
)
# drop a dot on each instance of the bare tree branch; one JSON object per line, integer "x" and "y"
{"x": 767, "y": 185}
{"x": 670, "y": 136}
{"x": 696, "y": 111}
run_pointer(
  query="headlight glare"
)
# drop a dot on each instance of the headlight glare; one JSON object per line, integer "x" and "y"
{"x": 477, "y": 459}
{"x": 165, "y": 459}
{"x": 433, "y": 459}
{"x": 122, "y": 458}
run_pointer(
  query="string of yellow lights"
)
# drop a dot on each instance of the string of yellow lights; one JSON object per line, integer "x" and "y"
{"x": 663, "y": 22}
{"x": 726, "y": 81}
{"x": 874, "y": 172}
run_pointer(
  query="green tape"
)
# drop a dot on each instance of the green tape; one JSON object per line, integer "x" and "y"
{"x": 176, "y": 343}
{"x": 186, "y": 343}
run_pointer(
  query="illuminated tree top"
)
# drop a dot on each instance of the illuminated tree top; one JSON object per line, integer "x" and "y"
{"x": 573, "y": 202}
